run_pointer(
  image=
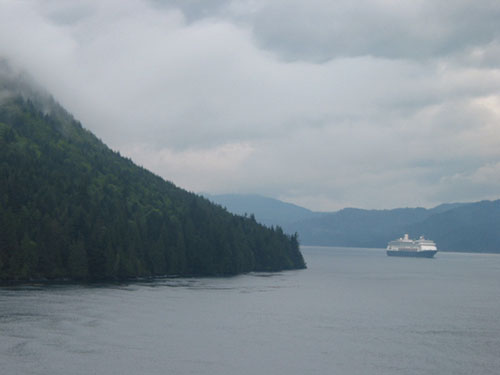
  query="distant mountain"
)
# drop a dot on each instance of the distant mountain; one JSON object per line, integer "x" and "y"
{"x": 72, "y": 208}
{"x": 356, "y": 227}
{"x": 268, "y": 211}
{"x": 472, "y": 227}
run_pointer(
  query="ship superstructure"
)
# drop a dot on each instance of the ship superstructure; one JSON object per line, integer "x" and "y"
{"x": 407, "y": 247}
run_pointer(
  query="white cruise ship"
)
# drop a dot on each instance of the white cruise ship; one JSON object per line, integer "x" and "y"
{"x": 406, "y": 247}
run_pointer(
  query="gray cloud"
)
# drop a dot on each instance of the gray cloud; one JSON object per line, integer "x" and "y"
{"x": 195, "y": 9}
{"x": 320, "y": 29}
{"x": 376, "y": 104}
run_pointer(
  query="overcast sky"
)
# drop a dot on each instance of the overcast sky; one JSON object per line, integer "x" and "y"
{"x": 326, "y": 104}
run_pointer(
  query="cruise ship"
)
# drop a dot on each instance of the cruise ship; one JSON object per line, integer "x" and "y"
{"x": 406, "y": 247}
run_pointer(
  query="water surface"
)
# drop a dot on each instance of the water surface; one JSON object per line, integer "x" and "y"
{"x": 353, "y": 311}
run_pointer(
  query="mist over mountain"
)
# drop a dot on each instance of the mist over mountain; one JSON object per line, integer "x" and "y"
{"x": 72, "y": 208}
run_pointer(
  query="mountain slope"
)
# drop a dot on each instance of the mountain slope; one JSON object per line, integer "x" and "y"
{"x": 473, "y": 227}
{"x": 356, "y": 227}
{"x": 72, "y": 208}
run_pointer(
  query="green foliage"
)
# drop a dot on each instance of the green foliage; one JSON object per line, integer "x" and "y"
{"x": 72, "y": 208}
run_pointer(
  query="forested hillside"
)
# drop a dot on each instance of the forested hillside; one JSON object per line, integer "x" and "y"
{"x": 72, "y": 208}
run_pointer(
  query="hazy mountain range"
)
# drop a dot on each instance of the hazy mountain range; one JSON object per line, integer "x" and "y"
{"x": 267, "y": 211}
{"x": 473, "y": 227}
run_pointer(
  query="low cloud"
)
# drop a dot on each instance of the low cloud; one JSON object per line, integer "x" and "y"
{"x": 374, "y": 104}
{"x": 195, "y": 169}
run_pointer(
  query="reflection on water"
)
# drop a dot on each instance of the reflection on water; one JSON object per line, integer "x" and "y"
{"x": 353, "y": 311}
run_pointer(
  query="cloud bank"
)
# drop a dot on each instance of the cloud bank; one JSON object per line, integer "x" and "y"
{"x": 372, "y": 104}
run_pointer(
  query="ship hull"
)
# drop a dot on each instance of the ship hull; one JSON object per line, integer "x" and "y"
{"x": 413, "y": 254}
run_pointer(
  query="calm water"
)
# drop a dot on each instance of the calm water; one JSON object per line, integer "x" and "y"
{"x": 354, "y": 311}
